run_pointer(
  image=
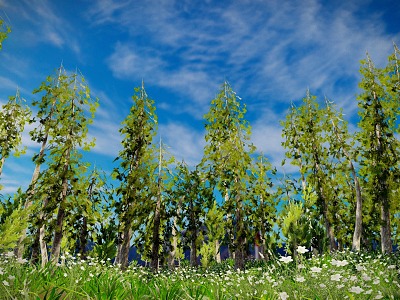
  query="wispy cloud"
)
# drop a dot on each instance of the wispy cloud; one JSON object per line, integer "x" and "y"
{"x": 184, "y": 142}
{"x": 272, "y": 50}
{"x": 46, "y": 24}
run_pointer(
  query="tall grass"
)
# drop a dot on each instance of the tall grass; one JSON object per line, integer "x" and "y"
{"x": 342, "y": 275}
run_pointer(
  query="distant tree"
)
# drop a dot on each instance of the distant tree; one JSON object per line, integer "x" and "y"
{"x": 210, "y": 248}
{"x": 343, "y": 148}
{"x": 308, "y": 148}
{"x": 137, "y": 163}
{"x": 14, "y": 115}
{"x": 158, "y": 214}
{"x": 379, "y": 110}
{"x": 227, "y": 155}
{"x": 87, "y": 208}
{"x": 263, "y": 204}
{"x": 195, "y": 199}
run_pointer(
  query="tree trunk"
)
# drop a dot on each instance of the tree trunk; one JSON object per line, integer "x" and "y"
{"x": 193, "y": 250}
{"x": 58, "y": 234}
{"x": 356, "y": 246}
{"x": 156, "y": 234}
{"x": 58, "y": 231}
{"x": 240, "y": 237}
{"x": 124, "y": 247}
{"x": 20, "y": 245}
{"x": 41, "y": 235}
{"x": 83, "y": 238}
{"x": 386, "y": 241}
{"x": 217, "y": 252}
{"x": 172, "y": 253}
{"x": 35, "y": 249}
{"x": 2, "y": 164}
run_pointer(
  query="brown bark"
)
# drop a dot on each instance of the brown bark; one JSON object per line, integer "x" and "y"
{"x": 385, "y": 230}
{"x": 172, "y": 253}
{"x": 123, "y": 253}
{"x": 156, "y": 231}
{"x": 240, "y": 237}
{"x": 157, "y": 219}
{"x": 58, "y": 235}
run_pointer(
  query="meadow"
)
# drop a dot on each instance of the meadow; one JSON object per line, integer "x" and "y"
{"x": 342, "y": 275}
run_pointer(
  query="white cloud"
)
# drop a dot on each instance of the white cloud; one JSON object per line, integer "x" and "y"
{"x": 184, "y": 142}
{"x": 265, "y": 49}
{"x": 46, "y": 24}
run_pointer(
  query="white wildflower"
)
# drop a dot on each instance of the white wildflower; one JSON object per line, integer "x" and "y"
{"x": 283, "y": 296}
{"x": 356, "y": 290}
{"x": 336, "y": 277}
{"x": 315, "y": 270}
{"x": 286, "y": 259}
{"x": 302, "y": 249}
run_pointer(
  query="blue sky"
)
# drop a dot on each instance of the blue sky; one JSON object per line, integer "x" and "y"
{"x": 269, "y": 51}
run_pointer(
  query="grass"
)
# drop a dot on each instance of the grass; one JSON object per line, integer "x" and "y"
{"x": 343, "y": 275}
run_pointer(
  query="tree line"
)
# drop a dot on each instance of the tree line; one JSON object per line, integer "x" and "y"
{"x": 345, "y": 194}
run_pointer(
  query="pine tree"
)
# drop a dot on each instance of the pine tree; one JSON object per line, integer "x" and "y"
{"x": 227, "y": 156}
{"x": 305, "y": 139}
{"x": 195, "y": 199}
{"x": 136, "y": 164}
{"x": 65, "y": 111}
{"x": 263, "y": 206}
{"x": 379, "y": 109}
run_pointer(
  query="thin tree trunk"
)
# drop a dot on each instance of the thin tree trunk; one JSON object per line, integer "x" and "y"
{"x": 58, "y": 235}
{"x": 156, "y": 235}
{"x": 240, "y": 236}
{"x": 35, "y": 248}
{"x": 383, "y": 199}
{"x": 328, "y": 226}
{"x": 217, "y": 252}
{"x": 356, "y": 245}
{"x": 2, "y": 164}
{"x": 123, "y": 253}
{"x": 58, "y": 231}
{"x": 41, "y": 235}
{"x": 83, "y": 238}
{"x": 385, "y": 230}
{"x": 193, "y": 251}
{"x": 20, "y": 245}
{"x": 193, "y": 237}
{"x": 172, "y": 253}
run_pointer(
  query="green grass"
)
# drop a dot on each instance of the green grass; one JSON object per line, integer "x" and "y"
{"x": 343, "y": 275}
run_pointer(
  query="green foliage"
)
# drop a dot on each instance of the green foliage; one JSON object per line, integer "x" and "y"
{"x": 227, "y": 161}
{"x": 379, "y": 111}
{"x": 4, "y": 31}
{"x": 13, "y": 220}
{"x": 214, "y": 220}
{"x": 65, "y": 112}
{"x": 13, "y": 117}
{"x": 357, "y": 276}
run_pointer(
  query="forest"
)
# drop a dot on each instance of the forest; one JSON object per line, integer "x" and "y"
{"x": 344, "y": 195}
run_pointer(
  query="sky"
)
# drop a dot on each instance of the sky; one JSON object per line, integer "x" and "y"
{"x": 270, "y": 51}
